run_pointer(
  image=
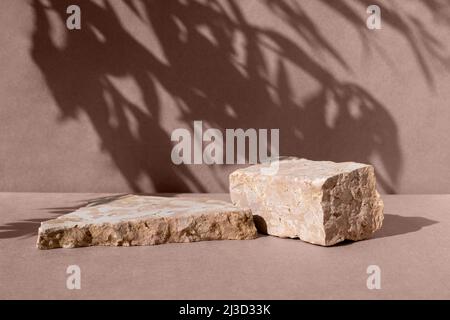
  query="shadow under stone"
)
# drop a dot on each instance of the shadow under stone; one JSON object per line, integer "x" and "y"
{"x": 394, "y": 225}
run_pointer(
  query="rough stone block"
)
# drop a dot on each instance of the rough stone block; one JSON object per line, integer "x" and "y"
{"x": 320, "y": 202}
{"x": 146, "y": 220}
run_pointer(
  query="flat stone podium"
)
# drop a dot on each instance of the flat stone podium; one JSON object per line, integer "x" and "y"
{"x": 146, "y": 220}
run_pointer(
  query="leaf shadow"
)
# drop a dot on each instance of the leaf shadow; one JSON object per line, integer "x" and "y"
{"x": 207, "y": 79}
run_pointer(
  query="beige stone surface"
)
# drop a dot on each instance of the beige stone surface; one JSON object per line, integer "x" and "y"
{"x": 321, "y": 202}
{"x": 146, "y": 220}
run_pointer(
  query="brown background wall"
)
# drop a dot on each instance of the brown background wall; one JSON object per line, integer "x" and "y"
{"x": 93, "y": 110}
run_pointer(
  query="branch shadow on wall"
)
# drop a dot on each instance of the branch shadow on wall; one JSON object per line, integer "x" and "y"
{"x": 201, "y": 73}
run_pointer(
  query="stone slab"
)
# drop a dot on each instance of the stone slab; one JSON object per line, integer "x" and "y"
{"x": 133, "y": 220}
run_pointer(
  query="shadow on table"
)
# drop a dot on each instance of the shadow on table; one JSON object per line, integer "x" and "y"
{"x": 394, "y": 225}
{"x": 29, "y": 227}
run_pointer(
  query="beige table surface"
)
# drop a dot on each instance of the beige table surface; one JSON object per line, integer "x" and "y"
{"x": 412, "y": 251}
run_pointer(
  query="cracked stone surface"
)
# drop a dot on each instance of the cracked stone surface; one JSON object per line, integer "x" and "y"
{"x": 320, "y": 202}
{"x": 147, "y": 220}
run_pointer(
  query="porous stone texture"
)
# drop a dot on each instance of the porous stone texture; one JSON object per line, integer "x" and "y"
{"x": 146, "y": 220}
{"x": 321, "y": 202}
